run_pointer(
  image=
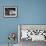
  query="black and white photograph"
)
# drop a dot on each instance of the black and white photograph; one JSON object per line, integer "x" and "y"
{"x": 10, "y": 11}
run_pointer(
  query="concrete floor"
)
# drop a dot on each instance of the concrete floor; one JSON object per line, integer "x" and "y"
{"x": 28, "y": 43}
{"x": 7, "y": 45}
{"x": 32, "y": 43}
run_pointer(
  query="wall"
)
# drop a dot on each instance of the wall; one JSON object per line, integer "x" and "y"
{"x": 7, "y": 25}
{"x": 32, "y": 11}
{"x": 29, "y": 12}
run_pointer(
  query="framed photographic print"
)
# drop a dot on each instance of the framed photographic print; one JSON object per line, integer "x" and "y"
{"x": 10, "y": 11}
